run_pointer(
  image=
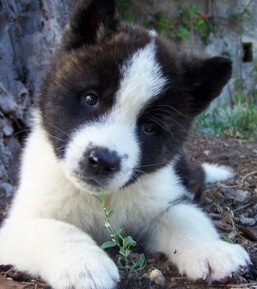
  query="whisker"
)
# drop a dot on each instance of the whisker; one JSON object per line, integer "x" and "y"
{"x": 177, "y": 123}
{"x": 58, "y": 129}
{"x": 140, "y": 171}
{"x": 21, "y": 131}
{"x": 170, "y": 113}
{"x": 61, "y": 149}
{"x": 152, "y": 165}
{"x": 173, "y": 108}
{"x": 162, "y": 124}
{"x": 136, "y": 179}
{"x": 55, "y": 137}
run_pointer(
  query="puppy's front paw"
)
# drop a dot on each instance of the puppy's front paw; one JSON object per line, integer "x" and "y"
{"x": 88, "y": 269}
{"x": 212, "y": 261}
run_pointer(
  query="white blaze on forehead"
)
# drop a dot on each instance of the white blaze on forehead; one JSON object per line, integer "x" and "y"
{"x": 142, "y": 80}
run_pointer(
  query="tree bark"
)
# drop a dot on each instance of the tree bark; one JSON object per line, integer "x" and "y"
{"x": 30, "y": 31}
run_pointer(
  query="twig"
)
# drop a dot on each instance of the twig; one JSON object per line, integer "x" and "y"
{"x": 177, "y": 279}
{"x": 243, "y": 207}
{"x": 241, "y": 285}
{"x": 39, "y": 283}
{"x": 248, "y": 175}
{"x": 248, "y": 233}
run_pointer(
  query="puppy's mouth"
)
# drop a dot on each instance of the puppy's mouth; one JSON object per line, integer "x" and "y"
{"x": 96, "y": 183}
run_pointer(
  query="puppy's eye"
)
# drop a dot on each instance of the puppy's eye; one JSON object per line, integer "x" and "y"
{"x": 149, "y": 128}
{"x": 89, "y": 99}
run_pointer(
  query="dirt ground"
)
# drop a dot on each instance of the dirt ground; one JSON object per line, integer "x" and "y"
{"x": 232, "y": 205}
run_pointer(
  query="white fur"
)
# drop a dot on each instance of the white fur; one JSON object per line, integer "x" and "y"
{"x": 142, "y": 81}
{"x": 188, "y": 237}
{"x": 54, "y": 220}
{"x": 46, "y": 208}
{"x": 215, "y": 173}
{"x": 47, "y": 232}
{"x": 59, "y": 252}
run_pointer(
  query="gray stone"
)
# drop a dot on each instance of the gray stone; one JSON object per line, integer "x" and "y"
{"x": 247, "y": 221}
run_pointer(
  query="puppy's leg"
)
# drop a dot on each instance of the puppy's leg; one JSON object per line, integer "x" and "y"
{"x": 62, "y": 254}
{"x": 194, "y": 177}
{"x": 190, "y": 240}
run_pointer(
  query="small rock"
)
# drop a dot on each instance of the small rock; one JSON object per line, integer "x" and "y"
{"x": 8, "y": 130}
{"x": 247, "y": 221}
{"x": 156, "y": 276}
{"x": 237, "y": 195}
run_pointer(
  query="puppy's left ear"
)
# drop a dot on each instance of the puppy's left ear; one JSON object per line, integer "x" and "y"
{"x": 91, "y": 21}
{"x": 205, "y": 80}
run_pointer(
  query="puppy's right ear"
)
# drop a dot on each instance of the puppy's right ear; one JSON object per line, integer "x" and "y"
{"x": 91, "y": 21}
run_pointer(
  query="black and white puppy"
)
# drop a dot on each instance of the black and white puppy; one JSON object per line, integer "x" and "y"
{"x": 113, "y": 113}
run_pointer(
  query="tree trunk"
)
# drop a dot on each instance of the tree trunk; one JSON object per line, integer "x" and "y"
{"x": 29, "y": 34}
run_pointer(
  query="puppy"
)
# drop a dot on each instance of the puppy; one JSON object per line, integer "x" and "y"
{"x": 113, "y": 112}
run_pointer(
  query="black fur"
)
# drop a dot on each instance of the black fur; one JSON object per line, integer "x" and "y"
{"x": 95, "y": 45}
{"x": 89, "y": 18}
{"x": 192, "y": 176}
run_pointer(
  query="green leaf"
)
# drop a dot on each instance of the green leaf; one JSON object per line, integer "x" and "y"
{"x": 103, "y": 196}
{"x": 124, "y": 252}
{"x": 183, "y": 33}
{"x": 108, "y": 244}
{"x": 120, "y": 265}
{"x": 200, "y": 23}
{"x": 129, "y": 242}
{"x": 110, "y": 213}
{"x": 98, "y": 198}
{"x": 142, "y": 261}
{"x": 118, "y": 232}
{"x": 139, "y": 264}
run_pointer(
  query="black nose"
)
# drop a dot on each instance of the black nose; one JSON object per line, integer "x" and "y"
{"x": 103, "y": 162}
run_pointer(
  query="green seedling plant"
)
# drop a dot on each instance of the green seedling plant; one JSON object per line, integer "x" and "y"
{"x": 124, "y": 244}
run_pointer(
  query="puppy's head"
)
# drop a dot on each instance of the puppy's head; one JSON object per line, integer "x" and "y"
{"x": 119, "y": 100}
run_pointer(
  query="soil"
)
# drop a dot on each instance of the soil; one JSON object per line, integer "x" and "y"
{"x": 231, "y": 204}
